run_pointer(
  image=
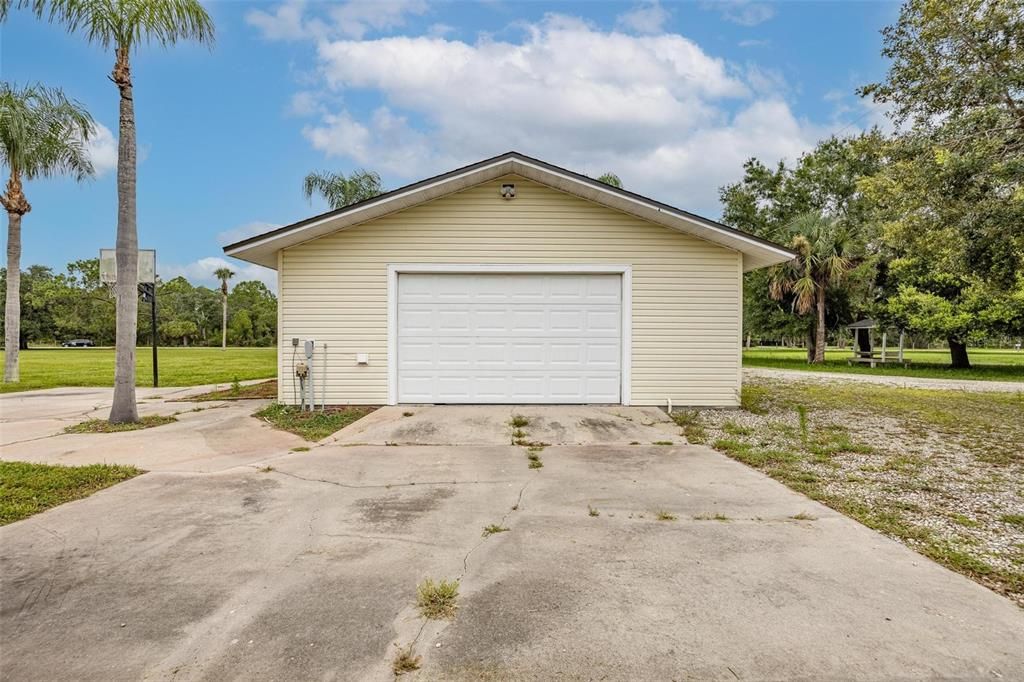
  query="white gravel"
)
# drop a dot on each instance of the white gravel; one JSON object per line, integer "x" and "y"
{"x": 898, "y": 381}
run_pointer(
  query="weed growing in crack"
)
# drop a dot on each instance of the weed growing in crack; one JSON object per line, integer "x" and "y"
{"x": 301, "y": 448}
{"x": 407, "y": 414}
{"x": 592, "y": 512}
{"x": 710, "y": 517}
{"x": 437, "y": 600}
{"x": 266, "y": 470}
{"x": 663, "y": 515}
{"x": 534, "y": 459}
{"x": 405, "y": 661}
{"x": 662, "y": 442}
{"x": 804, "y": 516}
{"x": 518, "y": 421}
{"x": 494, "y": 528}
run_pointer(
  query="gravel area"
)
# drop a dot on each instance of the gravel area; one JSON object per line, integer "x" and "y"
{"x": 898, "y": 381}
{"x": 941, "y": 471}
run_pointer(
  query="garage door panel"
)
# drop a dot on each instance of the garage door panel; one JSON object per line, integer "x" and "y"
{"x": 509, "y": 338}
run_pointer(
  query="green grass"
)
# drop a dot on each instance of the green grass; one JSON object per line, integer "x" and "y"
{"x": 103, "y": 426}
{"x": 988, "y": 364}
{"x": 493, "y": 529}
{"x": 57, "y": 367}
{"x": 312, "y": 426}
{"x": 27, "y": 489}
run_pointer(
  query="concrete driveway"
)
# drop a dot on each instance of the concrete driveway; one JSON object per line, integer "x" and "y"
{"x": 308, "y": 570}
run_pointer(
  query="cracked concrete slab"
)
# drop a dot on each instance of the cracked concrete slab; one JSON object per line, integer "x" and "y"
{"x": 489, "y": 425}
{"x": 309, "y": 570}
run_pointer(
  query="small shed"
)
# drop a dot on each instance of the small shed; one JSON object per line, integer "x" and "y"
{"x": 864, "y": 348}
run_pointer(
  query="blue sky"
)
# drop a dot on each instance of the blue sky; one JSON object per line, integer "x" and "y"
{"x": 671, "y": 96}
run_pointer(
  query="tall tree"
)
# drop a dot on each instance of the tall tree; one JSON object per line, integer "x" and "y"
{"x": 42, "y": 133}
{"x": 224, "y": 274}
{"x": 953, "y": 197}
{"x": 123, "y": 25}
{"x": 340, "y": 190}
{"x": 824, "y": 258}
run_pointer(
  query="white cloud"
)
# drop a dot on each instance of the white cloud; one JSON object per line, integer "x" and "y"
{"x": 305, "y": 103}
{"x": 647, "y": 18}
{"x": 754, "y": 43}
{"x": 352, "y": 19}
{"x": 201, "y": 272}
{"x": 356, "y": 18}
{"x": 673, "y": 121}
{"x": 286, "y": 22}
{"x": 102, "y": 149}
{"x": 743, "y": 12}
{"x": 237, "y": 234}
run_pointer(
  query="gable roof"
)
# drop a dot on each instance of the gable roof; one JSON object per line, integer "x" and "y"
{"x": 262, "y": 249}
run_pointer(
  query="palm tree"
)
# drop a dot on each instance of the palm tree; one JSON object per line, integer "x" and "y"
{"x": 224, "y": 274}
{"x": 341, "y": 191}
{"x": 824, "y": 258}
{"x": 42, "y": 133}
{"x": 123, "y": 25}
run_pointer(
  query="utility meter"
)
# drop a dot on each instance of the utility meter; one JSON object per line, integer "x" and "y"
{"x": 309, "y": 349}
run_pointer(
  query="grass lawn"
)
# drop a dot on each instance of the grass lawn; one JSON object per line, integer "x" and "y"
{"x": 987, "y": 363}
{"x": 54, "y": 367}
{"x": 941, "y": 471}
{"x": 312, "y": 426}
{"x": 27, "y": 489}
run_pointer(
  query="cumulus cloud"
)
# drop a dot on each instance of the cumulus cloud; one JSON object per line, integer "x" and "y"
{"x": 201, "y": 272}
{"x": 102, "y": 149}
{"x": 646, "y": 18}
{"x": 673, "y": 121}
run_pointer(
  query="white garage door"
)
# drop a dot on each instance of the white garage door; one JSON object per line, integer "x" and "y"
{"x": 509, "y": 338}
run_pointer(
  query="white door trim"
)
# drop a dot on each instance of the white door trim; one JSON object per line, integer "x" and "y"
{"x": 626, "y": 271}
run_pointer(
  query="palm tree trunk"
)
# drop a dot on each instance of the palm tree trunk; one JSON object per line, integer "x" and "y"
{"x": 811, "y": 343}
{"x": 224, "y": 322}
{"x": 819, "y": 342}
{"x": 12, "y": 309}
{"x": 126, "y": 292}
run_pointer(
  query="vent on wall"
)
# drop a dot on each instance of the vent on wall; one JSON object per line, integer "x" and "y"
{"x": 508, "y": 191}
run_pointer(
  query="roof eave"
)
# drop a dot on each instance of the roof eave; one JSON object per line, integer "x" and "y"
{"x": 262, "y": 249}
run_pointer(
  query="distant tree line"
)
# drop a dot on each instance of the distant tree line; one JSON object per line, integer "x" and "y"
{"x": 58, "y": 306}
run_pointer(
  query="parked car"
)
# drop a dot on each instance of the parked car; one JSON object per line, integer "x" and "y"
{"x": 78, "y": 343}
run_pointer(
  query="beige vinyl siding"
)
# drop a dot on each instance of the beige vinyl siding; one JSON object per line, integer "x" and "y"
{"x": 686, "y": 297}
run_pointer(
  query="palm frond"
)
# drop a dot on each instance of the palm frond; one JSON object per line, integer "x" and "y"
{"x": 124, "y": 23}
{"x": 43, "y": 132}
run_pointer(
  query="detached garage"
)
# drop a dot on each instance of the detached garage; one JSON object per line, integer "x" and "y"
{"x": 512, "y": 281}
